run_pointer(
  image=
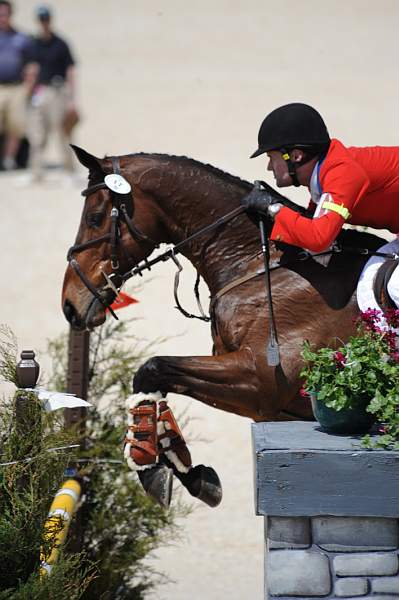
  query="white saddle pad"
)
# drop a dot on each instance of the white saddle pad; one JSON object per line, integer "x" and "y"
{"x": 365, "y": 293}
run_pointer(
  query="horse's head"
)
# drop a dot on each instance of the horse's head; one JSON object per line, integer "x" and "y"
{"x": 118, "y": 229}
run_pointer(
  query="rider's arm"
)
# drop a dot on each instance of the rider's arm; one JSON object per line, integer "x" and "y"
{"x": 313, "y": 234}
{"x": 344, "y": 185}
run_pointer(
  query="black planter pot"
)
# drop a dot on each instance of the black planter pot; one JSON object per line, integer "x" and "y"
{"x": 345, "y": 421}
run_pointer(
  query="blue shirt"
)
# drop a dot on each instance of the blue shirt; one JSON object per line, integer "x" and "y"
{"x": 13, "y": 55}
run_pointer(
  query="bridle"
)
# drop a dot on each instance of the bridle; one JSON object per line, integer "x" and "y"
{"x": 122, "y": 211}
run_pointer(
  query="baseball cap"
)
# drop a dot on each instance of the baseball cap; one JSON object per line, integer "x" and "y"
{"x": 43, "y": 12}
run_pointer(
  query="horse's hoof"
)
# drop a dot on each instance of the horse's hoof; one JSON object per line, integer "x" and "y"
{"x": 205, "y": 485}
{"x": 157, "y": 482}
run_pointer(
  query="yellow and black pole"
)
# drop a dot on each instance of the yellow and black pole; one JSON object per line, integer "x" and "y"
{"x": 57, "y": 523}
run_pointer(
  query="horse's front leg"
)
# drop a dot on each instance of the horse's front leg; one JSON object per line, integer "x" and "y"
{"x": 228, "y": 381}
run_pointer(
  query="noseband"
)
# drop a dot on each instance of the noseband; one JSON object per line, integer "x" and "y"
{"x": 122, "y": 211}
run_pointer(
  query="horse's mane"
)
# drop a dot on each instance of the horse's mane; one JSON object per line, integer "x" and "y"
{"x": 234, "y": 179}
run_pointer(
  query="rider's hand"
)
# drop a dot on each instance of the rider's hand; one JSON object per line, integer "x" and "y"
{"x": 258, "y": 200}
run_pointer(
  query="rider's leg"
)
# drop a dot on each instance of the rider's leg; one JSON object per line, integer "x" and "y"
{"x": 365, "y": 293}
{"x": 393, "y": 286}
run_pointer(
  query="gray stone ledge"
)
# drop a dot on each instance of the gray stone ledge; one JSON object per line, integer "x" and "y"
{"x": 302, "y": 471}
{"x": 373, "y": 597}
{"x": 351, "y": 586}
{"x": 386, "y": 585}
{"x": 354, "y": 534}
{"x": 298, "y": 573}
{"x": 288, "y": 532}
{"x": 367, "y": 564}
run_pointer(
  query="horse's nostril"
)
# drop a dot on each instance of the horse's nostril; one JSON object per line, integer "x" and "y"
{"x": 69, "y": 311}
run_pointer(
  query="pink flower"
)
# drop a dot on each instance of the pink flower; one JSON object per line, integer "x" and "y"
{"x": 395, "y": 356}
{"x": 303, "y": 393}
{"x": 339, "y": 359}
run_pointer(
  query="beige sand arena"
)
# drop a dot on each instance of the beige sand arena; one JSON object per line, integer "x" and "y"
{"x": 195, "y": 78}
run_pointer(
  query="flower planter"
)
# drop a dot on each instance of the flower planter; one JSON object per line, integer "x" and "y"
{"x": 346, "y": 421}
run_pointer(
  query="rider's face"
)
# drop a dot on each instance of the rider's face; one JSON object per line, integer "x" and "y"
{"x": 5, "y": 17}
{"x": 278, "y": 165}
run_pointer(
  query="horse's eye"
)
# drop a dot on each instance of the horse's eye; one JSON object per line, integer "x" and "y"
{"x": 94, "y": 219}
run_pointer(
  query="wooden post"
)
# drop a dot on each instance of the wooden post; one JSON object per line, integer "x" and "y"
{"x": 77, "y": 377}
{"x": 28, "y": 410}
{"x": 78, "y": 384}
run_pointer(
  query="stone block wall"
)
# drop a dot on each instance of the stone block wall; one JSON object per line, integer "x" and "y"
{"x": 332, "y": 557}
{"x": 331, "y": 514}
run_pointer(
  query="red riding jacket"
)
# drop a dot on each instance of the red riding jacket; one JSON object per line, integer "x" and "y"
{"x": 362, "y": 184}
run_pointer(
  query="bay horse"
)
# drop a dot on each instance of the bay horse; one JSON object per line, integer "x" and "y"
{"x": 172, "y": 198}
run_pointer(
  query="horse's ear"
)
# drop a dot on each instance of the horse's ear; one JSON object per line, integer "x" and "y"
{"x": 87, "y": 160}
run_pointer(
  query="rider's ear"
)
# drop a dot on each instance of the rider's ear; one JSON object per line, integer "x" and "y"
{"x": 296, "y": 155}
{"x": 87, "y": 160}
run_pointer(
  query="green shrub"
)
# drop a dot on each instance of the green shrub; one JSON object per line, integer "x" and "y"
{"x": 116, "y": 526}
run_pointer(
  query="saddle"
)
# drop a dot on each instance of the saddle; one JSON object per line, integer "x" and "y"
{"x": 380, "y": 285}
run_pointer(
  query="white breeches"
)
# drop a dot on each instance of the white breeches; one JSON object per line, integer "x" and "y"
{"x": 365, "y": 294}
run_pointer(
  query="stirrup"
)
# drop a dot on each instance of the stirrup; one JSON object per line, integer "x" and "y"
{"x": 171, "y": 440}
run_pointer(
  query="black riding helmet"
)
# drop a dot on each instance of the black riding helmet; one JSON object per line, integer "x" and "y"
{"x": 294, "y": 125}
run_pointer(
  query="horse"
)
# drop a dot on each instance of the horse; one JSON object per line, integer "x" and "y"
{"x": 173, "y": 198}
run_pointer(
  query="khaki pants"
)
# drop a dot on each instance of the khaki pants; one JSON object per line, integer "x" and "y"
{"x": 46, "y": 116}
{"x": 13, "y": 101}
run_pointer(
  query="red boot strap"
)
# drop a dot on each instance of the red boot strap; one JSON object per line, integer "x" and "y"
{"x": 167, "y": 417}
{"x": 144, "y": 417}
{"x": 143, "y": 427}
{"x": 144, "y": 446}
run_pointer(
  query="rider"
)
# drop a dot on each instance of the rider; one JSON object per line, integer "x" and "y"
{"x": 352, "y": 185}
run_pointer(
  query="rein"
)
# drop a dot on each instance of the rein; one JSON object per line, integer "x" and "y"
{"x": 122, "y": 211}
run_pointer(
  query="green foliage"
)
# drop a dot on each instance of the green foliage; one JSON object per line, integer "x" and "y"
{"x": 121, "y": 524}
{"x": 27, "y": 487}
{"x": 364, "y": 370}
{"x": 68, "y": 578}
{"x": 8, "y": 355}
{"x": 116, "y": 526}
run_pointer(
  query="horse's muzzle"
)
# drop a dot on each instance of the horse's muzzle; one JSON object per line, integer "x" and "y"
{"x": 72, "y": 316}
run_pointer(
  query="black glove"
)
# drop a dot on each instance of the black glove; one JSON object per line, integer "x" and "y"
{"x": 258, "y": 200}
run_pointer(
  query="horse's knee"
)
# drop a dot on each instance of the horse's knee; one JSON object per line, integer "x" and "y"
{"x": 147, "y": 379}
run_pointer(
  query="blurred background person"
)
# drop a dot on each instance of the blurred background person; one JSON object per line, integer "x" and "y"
{"x": 16, "y": 81}
{"x": 52, "y": 107}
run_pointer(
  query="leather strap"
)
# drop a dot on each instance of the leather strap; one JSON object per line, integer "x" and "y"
{"x": 233, "y": 284}
{"x": 380, "y": 284}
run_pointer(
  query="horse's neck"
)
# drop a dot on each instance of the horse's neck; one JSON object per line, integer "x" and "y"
{"x": 191, "y": 196}
{"x": 222, "y": 254}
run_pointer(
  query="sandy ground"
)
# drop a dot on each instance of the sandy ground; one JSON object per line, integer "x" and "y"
{"x": 195, "y": 79}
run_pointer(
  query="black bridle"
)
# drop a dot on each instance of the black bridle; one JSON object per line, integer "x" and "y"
{"x": 122, "y": 211}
